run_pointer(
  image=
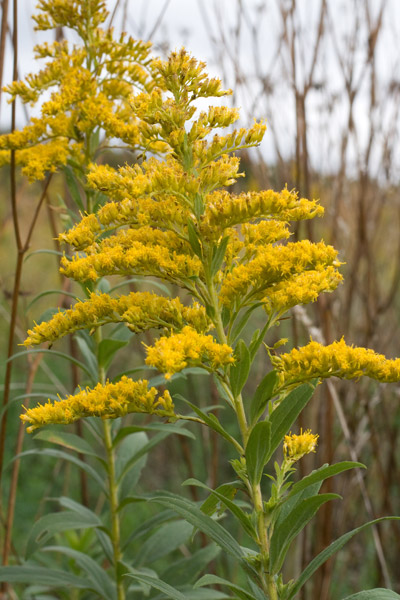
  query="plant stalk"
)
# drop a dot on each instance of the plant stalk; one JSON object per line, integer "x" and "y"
{"x": 112, "y": 486}
{"x": 113, "y": 493}
{"x": 268, "y": 581}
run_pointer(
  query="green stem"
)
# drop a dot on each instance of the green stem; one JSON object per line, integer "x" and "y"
{"x": 113, "y": 494}
{"x": 238, "y": 401}
{"x": 267, "y": 579}
{"x": 112, "y": 488}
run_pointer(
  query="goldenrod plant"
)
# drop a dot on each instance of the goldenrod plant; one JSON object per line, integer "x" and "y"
{"x": 174, "y": 219}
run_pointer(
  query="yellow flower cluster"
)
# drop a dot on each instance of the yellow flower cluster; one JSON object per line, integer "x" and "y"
{"x": 138, "y": 258}
{"x": 107, "y": 401}
{"x": 76, "y": 14}
{"x": 335, "y": 360}
{"x": 273, "y": 265}
{"x": 41, "y": 159}
{"x": 90, "y": 89}
{"x": 301, "y": 289}
{"x": 224, "y": 209}
{"x": 297, "y": 446}
{"x": 148, "y": 236}
{"x": 263, "y": 233}
{"x": 188, "y": 348}
{"x": 165, "y": 213}
{"x": 139, "y": 311}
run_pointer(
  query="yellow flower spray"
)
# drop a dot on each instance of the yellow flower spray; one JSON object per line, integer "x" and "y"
{"x": 175, "y": 219}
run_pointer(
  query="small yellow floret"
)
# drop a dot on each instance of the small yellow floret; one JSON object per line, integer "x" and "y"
{"x": 296, "y": 446}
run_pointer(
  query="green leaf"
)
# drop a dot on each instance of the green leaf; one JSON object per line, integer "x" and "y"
{"x": 107, "y": 349}
{"x": 45, "y": 251}
{"x": 215, "y": 580}
{"x": 73, "y": 188}
{"x": 212, "y": 422}
{"x": 47, "y": 315}
{"x": 239, "y": 326}
{"x": 210, "y": 505}
{"x": 68, "y": 440}
{"x": 239, "y": 371}
{"x": 242, "y": 517}
{"x": 132, "y": 371}
{"x": 80, "y": 509}
{"x": 262, "y": 395}
{"x": 191, "y": 513}
{"x": 156, "y": 439}
{"x": 257, "y": 340}
{"x": 323, "y": 556}
{"x": 169, "y": 427}
{"x": 290, "y": 504}
{"x": 202, "y": 594}
{"x": 198, "y": 205}
{"x": 219, "y": 255}
{"x": 129, "y": 447}
{"x": 103, "y": 286}
{"x": 84, "y": 344}
{"x": 52, "y": 353}
{"x": 151, "y": 523}
{"x": 47, "y": 293}
{"x": 42, "y": 575}
{"x": 323, "y": 473}
{"x": 54, "y": 523}
{"x": 163, "y": 587}
{"x": 164, "y": 540}
{"x": 100, "y": 581}
{"x": 141, "y": 280}
{"x": 187, "y": 569}
{"x": 194, "y": 239}
{"x": 284, "y": 415}
{"x": 258, "y": 451}
{"x": 11, "y": 403}
{"x": 68, "y": 457}
{"x": 291, "y": 526}
{"x": 375, "y": 594}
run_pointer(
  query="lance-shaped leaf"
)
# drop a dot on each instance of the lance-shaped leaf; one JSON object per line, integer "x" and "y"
{"x": 242, "y": 517}
{"x": 323, "y": 473}
{"x": 323, "y": 556}
{"x": 290, "y": 527}
{"x": 258, "y": 451}
{"x": 54, "y": 523}
{"x": 263, "y": 393}
{"x": 100, "y": 581}
{"x": 156, "y": 583}
{"x": 283, "y": 417}
{"x": 193, "y": 515}
{"x": 34, "y": 574}
{"x": 215, "y": 580}
{"x": 376, "y": 594}
{"x": 239, "y": 371}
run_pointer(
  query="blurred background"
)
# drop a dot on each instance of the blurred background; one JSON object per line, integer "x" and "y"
{"x": 325, "y": 74}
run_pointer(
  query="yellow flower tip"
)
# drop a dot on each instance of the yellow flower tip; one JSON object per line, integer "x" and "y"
{"x": 297, "y": 446}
